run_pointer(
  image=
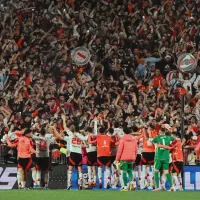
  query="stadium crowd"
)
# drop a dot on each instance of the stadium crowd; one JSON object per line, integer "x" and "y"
{"x": 132, "y": 79}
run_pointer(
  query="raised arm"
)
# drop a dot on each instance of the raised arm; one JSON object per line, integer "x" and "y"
{"x": 81, "y": 137}
{"x": 64, "y": 122}
{"x": 95, "y": 127}
{"x": 11, "y": 144}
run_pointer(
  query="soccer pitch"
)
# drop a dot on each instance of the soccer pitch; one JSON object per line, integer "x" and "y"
{"x": 95, "y": 195}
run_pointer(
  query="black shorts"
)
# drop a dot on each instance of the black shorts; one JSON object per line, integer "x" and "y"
{"x": 92, "y": 158}
{"x": 148, "y": 158}
{"x": 104, "y": 161}
{"x": 34, "y": 159}
{"x": 138, "y": 160}
{"x": 25, "y": 163}
{"x": 177, "y": 167}
{"x": 112, "y": 159}
{"x": 75, "y": 159}
{"x": 67, "y": 160}
{"x": 170, "y": 167}
{"x": 43, "y": 163}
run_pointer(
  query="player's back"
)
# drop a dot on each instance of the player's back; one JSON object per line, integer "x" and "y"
{"x": 113, "y": 146}
{"x": 103, "y": 145}
{"x": 162, "y": 153}
{"x": 42, "y": 145}
{"x": 177, "y": 153}
{"x": 24, "y": 147}
{"x": 165, "y": 139}
{"x": 75, "y": 144}
{"x": 91, "y": 147}
{"x": 146, "y": 147}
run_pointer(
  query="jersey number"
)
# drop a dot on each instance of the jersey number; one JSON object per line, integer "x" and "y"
{"x": 163, "y": 142}
{"x": 76, "y": 141}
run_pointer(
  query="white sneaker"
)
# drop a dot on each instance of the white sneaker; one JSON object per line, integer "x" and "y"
{"x": 181, "y": 189}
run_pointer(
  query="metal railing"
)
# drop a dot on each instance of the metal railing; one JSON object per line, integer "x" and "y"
{"x": 62, "y": 159}
{"x": 4, "y": 154}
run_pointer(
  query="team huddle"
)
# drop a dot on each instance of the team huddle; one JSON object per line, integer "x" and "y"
{"x": 122, "y": 151}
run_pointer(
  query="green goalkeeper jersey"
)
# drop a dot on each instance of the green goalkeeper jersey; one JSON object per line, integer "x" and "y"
{"x": 161, "y": 153}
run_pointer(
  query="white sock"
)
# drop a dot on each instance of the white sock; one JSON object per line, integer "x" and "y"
{"x": 46, "y": 179}
{"x": 19, "y": 178}
{"x": 69, "y": 178}
{"x": 80, "y": 175}
{"x": 89, "y": 173}
{"x": 153, "y": 182}
{"x": 117, "y": 176}
{"x": 34, "y": 177}
{"x": 113, "y": 173}
{"x": 148, "y": 174}
{"x": 163, "y": 180}
{"x": 144, "y": 172}
{"x": 95, "y": 178}
{"x": 100, "y": 174}
{"x": 180, "y": 180}
{"x": 139, "y": 175}
{"x": 38, "y": 177}
{"x": 175, "y": 180}
{"x": 108, "y": 174}
{"x": 23, "y": 184}
{"x": 121, "y": 178}
{"x": 134, "y": 179}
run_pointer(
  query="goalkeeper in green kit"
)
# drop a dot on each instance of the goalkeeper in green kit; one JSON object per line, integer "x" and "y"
{"x": 162, "y": 155}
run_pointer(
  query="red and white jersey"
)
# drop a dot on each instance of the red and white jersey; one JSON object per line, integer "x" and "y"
{"x": 91, "y": 147}
{"x": 74, "y": 142}
{"x": 43, "y": 144}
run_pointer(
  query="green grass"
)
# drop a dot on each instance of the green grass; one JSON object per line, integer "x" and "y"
{"x": 95, "y": 195}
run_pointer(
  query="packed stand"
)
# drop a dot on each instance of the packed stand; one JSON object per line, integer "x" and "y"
{"x": 131, "y": 80}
